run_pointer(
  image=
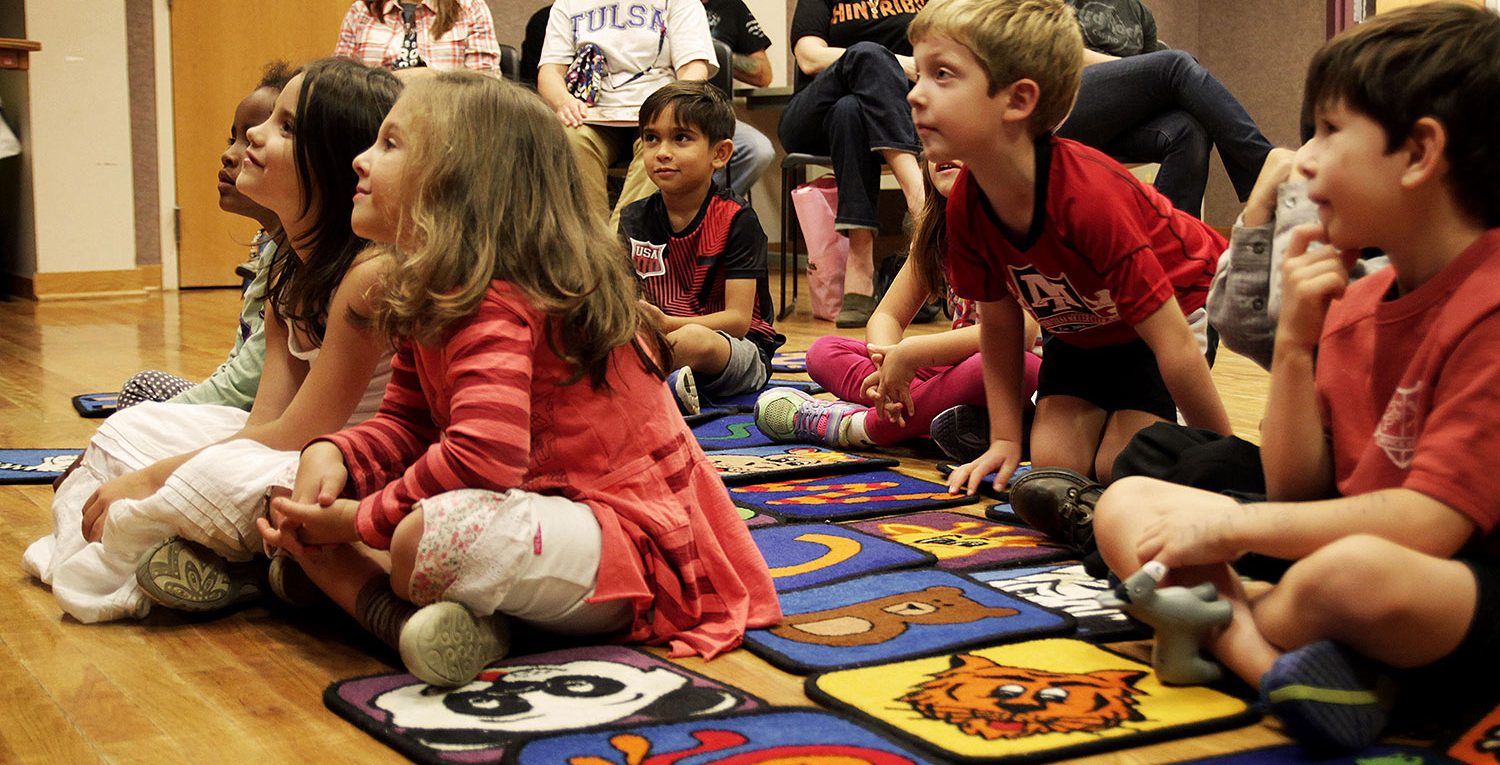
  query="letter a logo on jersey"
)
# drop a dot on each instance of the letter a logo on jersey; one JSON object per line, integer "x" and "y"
{"x": 1057, "y": 305}
{"x": 647, "y": 258}
{"x": 1396, "y": 435}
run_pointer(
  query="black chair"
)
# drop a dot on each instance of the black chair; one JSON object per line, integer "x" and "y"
{"x": 725, "y": 77}
{"x": 510, "y": 62}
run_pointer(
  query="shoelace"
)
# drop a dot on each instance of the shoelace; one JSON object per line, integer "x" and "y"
{"x": 812, "y": 418}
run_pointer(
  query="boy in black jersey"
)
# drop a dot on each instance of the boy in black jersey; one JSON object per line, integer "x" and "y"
{"x": 699, "y": 250}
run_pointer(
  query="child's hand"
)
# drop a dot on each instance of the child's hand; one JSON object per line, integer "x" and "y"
{"x": 1001, "y": 458}
{"x": 572, "y": 112}
{"x": 1312, "y": 276}
{"x": 1196, "y": 536}
{"x": 137, "y": 484}
{"x": 1260, "y": 208}
{"x": 892, "y": 397}
{"x": 304, "y": 527}
{"x": 871, "y": 385}
{"x": 321, "y": 474}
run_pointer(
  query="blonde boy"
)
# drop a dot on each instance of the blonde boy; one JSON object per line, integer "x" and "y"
{"x": 1384, "y": 405}
{"x": 1106, "y": 265}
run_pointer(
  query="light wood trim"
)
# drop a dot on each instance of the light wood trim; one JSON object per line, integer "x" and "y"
{"x": 75, "y": 284}
{"x": 16, "y": 54}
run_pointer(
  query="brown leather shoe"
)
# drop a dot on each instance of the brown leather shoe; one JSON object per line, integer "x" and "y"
{"x": 856, "y": 311}
{"x": 1059, "y": 503}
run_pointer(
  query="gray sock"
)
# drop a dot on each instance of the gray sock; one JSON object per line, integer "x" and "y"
{"x": 378, "y": 610}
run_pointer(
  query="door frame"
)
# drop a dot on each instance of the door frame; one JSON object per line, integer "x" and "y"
{"x": 166, "y": 156}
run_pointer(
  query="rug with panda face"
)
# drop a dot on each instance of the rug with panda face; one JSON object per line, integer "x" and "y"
{"x": 527, "y": 696}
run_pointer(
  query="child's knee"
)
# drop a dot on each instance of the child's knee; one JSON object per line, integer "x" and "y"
{"x": 1357, "y": 581}
{"x": 1123, "y": 506}
{"x": 404, "y": 543}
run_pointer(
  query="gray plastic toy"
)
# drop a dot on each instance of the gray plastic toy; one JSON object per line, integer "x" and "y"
{"x": 1181, "y": 617}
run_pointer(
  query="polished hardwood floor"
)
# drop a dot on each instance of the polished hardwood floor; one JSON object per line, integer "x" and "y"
{"x": 247, "y": 687}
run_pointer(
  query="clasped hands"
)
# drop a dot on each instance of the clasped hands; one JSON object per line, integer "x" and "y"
{"x": 311, "y": 516}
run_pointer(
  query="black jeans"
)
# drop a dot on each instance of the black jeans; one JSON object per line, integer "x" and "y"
{"x": 851, "y": 110}
{"x": 1165, "y": 107}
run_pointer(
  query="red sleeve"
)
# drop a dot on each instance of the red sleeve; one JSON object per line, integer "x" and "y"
{"x": 379, "y": 449}
{"x": 973, "y": 272}
{"x": 1106, "y": 227}
{"x": 487, "y": 442}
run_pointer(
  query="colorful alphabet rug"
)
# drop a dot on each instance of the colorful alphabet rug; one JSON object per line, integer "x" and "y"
{"x": 789, "y": 361}
{"x": 526, "y": 696}
{"x": 892, "y": 616}
{"x": 784, "y": 736}
{"x": 708, "y": 414}
{"x": 753, "y": 464}
{"x": 95, "y": 405}
{"x": 1295, "y": 755}
{"x": 987, "y": 486}
{"x": 855, "y": 495}
{"x": 730, "y": 431}
{"x": 1003, "y": 513}
{"x": 746, "y": 401}
{"x": 1038, "y": 700}
{"x": 753, "y": 519}
{"x": 34, "y": 465}
{"x": 809, "y": 554}
{"x": 1480, "y": 745}
{"x": 1067, "y": 588}
{"x": 963, "y": 542}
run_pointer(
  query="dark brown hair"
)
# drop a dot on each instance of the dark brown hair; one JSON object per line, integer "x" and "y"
{"x": 694, "y": 104}
{"x": 447, "y": 15}
{"x": 929, "y": 240}
{"x": 1438, "y": 60}
{"x": 339, "y": 111}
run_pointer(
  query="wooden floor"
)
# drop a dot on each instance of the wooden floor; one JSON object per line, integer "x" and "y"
{"x": 248, "y": 687}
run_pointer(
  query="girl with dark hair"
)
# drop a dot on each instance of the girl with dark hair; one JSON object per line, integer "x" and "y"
{"x": 159, "y": 470}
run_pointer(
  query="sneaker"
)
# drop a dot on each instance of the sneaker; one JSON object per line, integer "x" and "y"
{"x": 855, "y": 312}
{"x": 1328, "y": 698}
{"x": 788, "y": 414}
{"x": 1059, "y": 503}
{"x": 291, "y": 585}
{"x": 187, "y": 576}
{"x": 962, "y": 432}
{"x": 685, "y": 390}
{"x": 444, "y": 644}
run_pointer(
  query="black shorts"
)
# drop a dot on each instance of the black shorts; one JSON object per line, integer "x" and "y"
{"x": 1461, "y": 682}
{"x": 1112, "y": 377}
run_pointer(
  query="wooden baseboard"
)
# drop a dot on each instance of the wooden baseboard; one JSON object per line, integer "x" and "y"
{"x": 62, "y": 285}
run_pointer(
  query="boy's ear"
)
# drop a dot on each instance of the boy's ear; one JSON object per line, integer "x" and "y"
{"x": 1019, "y": 100}
{"x": 722, "y": 150}
{"x": 1426, "y": 146}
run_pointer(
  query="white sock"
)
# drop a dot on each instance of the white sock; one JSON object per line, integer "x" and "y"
{"x": 852, "y": 432}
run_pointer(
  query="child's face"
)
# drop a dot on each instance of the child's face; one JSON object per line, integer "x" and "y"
{"x": 943, "y": 175}
{"x": 951, "y": 101}
{"x": 252, "y": 111}
{"x": 378, "y": 204}
{"x": 679, "y": 158}
{"x": 1351, "y": 178}
{"x": 268, "y": 174}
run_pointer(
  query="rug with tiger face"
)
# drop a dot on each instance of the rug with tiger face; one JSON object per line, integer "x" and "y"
{"x": 994, "y": 701}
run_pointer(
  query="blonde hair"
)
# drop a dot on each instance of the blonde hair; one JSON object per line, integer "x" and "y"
{"x": 448, "y": 12}
{"x": 1037, "y": 40}
{"x": 491, "y": 193}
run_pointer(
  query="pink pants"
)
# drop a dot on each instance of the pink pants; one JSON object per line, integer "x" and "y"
{"x": 840, "y": 364}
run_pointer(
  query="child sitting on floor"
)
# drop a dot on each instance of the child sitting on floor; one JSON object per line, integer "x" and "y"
{"x": 1382, "y": 493}
{"x": 1103, "y": 262}
{"x": 911, "y": 385}
{"x": 497, "y": 473}
{"x": 234, "y": 382}
{"x": 159, "y": 470}
{"x": 700, "y": 250}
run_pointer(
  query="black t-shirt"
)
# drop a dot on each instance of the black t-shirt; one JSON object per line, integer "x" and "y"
{"x": 1117, "y": 27}
{"x": 842, "y": 23}
{"x": 733, "y": 23}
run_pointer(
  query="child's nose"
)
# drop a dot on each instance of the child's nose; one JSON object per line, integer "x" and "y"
{"x": 1303, "y": 163}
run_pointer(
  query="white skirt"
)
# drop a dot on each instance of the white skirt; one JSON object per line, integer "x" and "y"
{"x": 212, "y": 499}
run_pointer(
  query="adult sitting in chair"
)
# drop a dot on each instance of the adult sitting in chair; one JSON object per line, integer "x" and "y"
{"x": 599, "y": 62}
{"x": 441, "y": 34}
{"x": 853, "y": 71}
{"x": 1139, "y": 102}
{"x": 732, "y": 23}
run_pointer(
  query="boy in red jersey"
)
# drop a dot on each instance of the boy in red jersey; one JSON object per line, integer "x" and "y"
{"x": 1381, "y": 408}
{"x": 1106, "y": 265}
{"x": 700, "y": 250}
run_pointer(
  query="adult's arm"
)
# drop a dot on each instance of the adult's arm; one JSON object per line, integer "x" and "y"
{"x": 753, "y": 69}
{"x": 481, "y": 49}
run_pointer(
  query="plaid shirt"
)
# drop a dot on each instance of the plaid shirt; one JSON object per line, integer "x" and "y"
{"x": 470, "y": 44}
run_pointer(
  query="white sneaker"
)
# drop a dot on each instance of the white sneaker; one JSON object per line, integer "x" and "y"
{"x": 445, "y": 644}
{"x": 685, "y": 390}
